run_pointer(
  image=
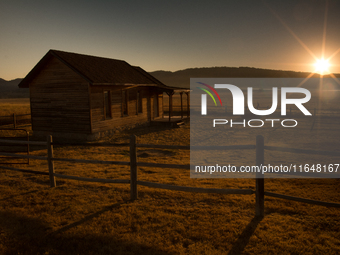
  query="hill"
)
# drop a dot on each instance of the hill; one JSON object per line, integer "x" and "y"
{"x": 10, "y": 89}
{"x": 181, "y": 78}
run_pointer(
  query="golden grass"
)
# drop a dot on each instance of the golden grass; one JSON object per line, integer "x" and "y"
{"x": 15, "y": 105}
{"x": 10, "y": 106}
{"x": 89, "y": 218}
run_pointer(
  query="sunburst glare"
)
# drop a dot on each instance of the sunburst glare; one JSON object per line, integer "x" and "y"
{"x": 322, "y": 66}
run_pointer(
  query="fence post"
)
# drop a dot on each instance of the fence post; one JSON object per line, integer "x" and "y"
{"x": 259, "y": 207}
{"x": 28, "y": 146}
{"x": 50, "y": 161}
{"x": 14, "y": 121}
{"x": 133, "y": 168}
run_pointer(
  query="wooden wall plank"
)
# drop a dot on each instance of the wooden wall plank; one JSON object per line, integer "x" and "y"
{"x": 59, "y": 100}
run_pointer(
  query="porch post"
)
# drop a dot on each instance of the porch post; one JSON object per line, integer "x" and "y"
{"x": 188, "y": 103}
{"x": 170, "y": 105}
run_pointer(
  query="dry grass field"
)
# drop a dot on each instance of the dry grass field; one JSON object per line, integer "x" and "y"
{"x": 14, "y": 105}
{"x": 89, "y": 218}
{"x": 10, "y": 106}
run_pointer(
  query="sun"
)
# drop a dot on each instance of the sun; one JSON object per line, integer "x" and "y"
{"x": 322, "y": 66}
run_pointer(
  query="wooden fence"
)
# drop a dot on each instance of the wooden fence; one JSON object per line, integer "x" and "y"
{"x": 15, "y": 145}
{"x": 134, "y": 182}
{"x": 15, "y": 120}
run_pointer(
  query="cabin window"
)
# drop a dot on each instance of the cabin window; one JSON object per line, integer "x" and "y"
{"x": 139, "y": 102}
{"x": 107, "y": 105}
{"x": 125, "y": 100}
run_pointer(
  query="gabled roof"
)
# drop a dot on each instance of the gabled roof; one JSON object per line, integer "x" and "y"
{"x": 97, "y": 70}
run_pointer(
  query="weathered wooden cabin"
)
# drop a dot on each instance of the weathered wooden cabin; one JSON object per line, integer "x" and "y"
{"x": 83, "y": 97}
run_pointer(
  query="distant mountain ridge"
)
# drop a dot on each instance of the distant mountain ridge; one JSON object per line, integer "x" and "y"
{"x": 10, "y": 89}
{"x": 181, "y": 78}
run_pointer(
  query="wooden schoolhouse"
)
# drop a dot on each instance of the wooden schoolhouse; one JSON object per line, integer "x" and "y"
{"x": 82, "y": 97}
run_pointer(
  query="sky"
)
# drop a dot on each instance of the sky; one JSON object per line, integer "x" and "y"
{"x": 172, "y": 35}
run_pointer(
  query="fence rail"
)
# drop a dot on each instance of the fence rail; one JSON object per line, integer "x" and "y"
{"x": 86, "y": 161}
{"x": 90, "y": 179}
{"x": 15, "y": 120}
{"x": 14, "y": 155}
{"x": 133, "y": 163}
{"x": 195, "y": 189}
{"x": 17, "y": 143}
{"x": 24, "y": 170}
{"x": 302, "y": 151}
{"x": 23, "y": 142}
{"x": 302, "y": 200}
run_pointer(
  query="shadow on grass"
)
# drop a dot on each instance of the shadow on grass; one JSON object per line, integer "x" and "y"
{"x": 20, "y": 234}
{"x": 87, "y": 218}
{"x": 244, "y": 238}
{"x": 138, "y": 131}
{"x": 22, "y": 194}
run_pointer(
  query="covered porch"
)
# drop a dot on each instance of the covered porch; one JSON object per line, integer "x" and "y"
{"x": 176, "y": 107}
